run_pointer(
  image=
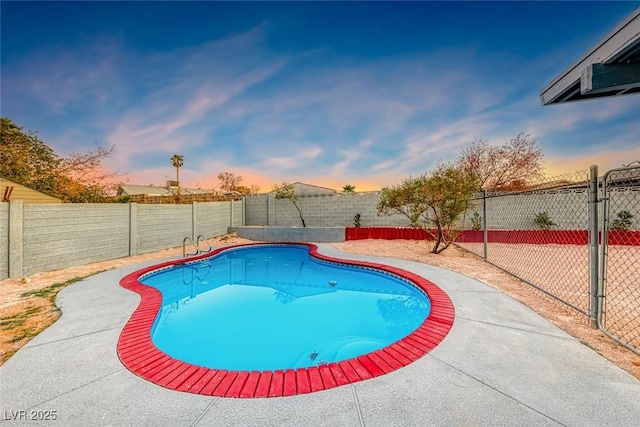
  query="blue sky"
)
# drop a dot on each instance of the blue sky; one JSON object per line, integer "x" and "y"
{"x": 365, "y": 93}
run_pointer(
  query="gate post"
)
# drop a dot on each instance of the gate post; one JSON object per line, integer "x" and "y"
{"x": 485, "y": 235}
{"x": 593, "y": 246}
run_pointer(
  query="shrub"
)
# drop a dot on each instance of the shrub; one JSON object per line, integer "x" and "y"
{"x": 543, "y": 221}
{"x": 623, "y": 221}
{"x": 356, "y": 220}
{"x": 476, "y": 221}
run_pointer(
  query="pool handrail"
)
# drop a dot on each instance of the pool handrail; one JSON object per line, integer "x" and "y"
{"x": 195, "y": 244}
{"x": 204, "y": 239}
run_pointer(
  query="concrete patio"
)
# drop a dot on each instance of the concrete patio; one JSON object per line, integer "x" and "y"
{"x": 501, "y": 364}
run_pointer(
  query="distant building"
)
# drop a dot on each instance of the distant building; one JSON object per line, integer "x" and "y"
{"x": 10, "y": 190}
{"x": 152, "y": 190}
{"x": 302, "y": 189}
{"x": 170, "y": 194}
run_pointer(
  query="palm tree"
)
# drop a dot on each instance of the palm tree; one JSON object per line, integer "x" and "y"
{"x": 177, "y": 161}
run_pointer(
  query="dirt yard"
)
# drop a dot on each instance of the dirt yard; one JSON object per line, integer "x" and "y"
{"x": 26, "y": 305}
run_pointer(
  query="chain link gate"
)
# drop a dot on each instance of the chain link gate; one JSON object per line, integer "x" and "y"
{"x": 576, "y": 238}
{"x": 619, "y": 284}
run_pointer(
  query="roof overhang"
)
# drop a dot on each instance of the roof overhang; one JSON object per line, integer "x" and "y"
{"x": 610, "y": 68}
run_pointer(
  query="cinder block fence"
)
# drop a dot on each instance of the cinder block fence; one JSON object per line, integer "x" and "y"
{"x": 45, "y": 237}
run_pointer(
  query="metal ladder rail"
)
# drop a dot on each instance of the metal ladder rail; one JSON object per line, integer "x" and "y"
{"x": 201, "y": 238}
{"x": 196, "y": 245}
{"x": 184, "y": 247}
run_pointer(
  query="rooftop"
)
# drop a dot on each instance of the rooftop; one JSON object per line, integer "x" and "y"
{"x": 609, "y": 68}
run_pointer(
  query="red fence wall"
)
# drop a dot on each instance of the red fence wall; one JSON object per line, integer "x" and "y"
{"x": 558, "y": 237}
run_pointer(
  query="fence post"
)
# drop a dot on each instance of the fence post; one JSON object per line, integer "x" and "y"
{"x": 133, "y": 229}
{"x": 231, "y": 213}
{"x": 16, "y": 252}
{"x": 271, "y": 208}
{"x": 485, "y": 236}
{"x": 244, "y": 211}
{"x": 194, "y": 220}
{"x": 593, "y": 246}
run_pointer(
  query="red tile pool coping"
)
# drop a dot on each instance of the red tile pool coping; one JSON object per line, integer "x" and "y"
{"x": 138, "y": 353}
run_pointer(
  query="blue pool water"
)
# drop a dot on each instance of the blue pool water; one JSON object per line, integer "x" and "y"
{"x": 276, "y": 307}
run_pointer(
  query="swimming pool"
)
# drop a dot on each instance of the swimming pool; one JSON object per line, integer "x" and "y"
{"x": 264, "y": 326}
{"x": 276, "y": 307}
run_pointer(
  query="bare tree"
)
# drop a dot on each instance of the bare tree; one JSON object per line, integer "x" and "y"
{"x": 254, "y": 189}
{"x": 513, "y": 165}
{"x": 229, "y": 181}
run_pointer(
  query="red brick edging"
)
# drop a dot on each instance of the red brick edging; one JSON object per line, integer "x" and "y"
{"x": 138, "y": 353}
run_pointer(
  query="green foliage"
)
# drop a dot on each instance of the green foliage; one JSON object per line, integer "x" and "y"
{"x": 405, "y": 199}
{"x": 449, "y": 192}
{"x": 348, "y": 188}
{"x": 177, "y": 161}
{"x": 543, "y": 221}
{"x": 18, "y": 320}
{"x": 288, "y": 191}
{"x": 624, "y": 221}
{"x": 356, "y": 220}
{"x": 476, "y": 221}
{"x": 27, "y": 160}
{"x": 438, "y": 199}
{"x": 52, "y": 290}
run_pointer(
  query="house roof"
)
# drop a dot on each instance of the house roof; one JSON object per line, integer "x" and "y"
{"x": 303, "y": 189}
{"x": 134, "y": 190}
{"x": 151, "y": 190}
{"x": 609, "y": 68}
{"x": 14, "y": 191}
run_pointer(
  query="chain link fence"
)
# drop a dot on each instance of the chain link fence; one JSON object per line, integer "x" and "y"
{"x": 539, "y": 235}
{"x": 619, "y": 314}
{"x": 549, "y": 236}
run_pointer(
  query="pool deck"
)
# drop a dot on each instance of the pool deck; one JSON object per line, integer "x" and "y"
{"x": 501, "y": 364}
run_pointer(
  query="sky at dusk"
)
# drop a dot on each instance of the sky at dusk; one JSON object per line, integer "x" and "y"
{"x": 360, "y": 93}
